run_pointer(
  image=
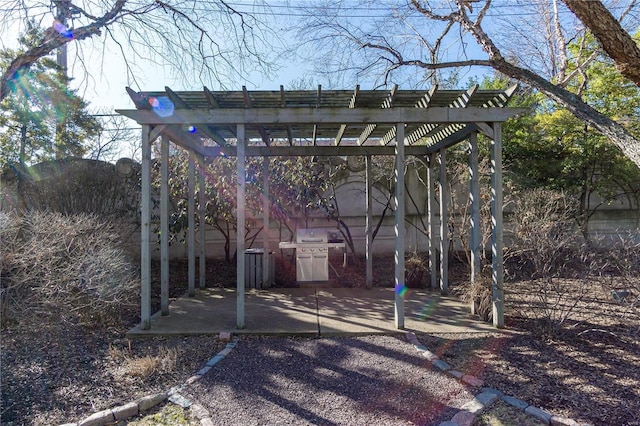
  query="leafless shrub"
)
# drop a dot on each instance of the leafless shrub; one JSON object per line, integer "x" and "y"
{"x": 546, "y": 243}
{"x": 616, "y": 263}
{"x": 74, "y": 185}
{"x": 564, "y": 281}
{"x": 9, "y": 241}
{"x": 459, "y": 209}
{"x": 480, "y": 293}
{"x": 417, "y": 271}
{"x": 144, "y": 367}
{"x": 66, "y": 267}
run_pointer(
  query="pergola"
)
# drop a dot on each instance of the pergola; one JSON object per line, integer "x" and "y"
{"x": 421, "y": 123}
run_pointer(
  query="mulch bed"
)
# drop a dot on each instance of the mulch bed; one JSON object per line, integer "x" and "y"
{"x": 592, "y": 378}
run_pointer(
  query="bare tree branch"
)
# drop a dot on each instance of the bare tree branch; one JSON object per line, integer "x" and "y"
{"x": 53, "y": 40}
{"x": 209, "y": 38}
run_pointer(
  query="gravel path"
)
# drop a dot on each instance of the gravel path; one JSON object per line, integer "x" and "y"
{"x": 330, "y": 381}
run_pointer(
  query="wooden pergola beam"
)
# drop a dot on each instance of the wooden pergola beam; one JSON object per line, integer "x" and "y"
{"x": 424, "y": 129}
{"x": 314, "y": 134}
{"x": 304, "y": 115}
{"x": 441, "y": 129}
{"x": 313, "y": 150}
{"x": 213, "y": 104}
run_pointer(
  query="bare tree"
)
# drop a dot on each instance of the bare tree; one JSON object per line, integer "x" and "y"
{"x": 209, "y": 40}
{"x": 115, "y": 140}
{"x": 400, "y": 41}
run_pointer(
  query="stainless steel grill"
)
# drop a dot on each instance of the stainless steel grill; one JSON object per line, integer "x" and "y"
{"x": 312, "y": 254}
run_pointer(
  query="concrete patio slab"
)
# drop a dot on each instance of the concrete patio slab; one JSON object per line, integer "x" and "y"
{"x": 312, "y": 312}
{"x": 211, "y": 311}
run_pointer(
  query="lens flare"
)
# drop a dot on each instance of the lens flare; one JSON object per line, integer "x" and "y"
{"x": 162, "y": 106}
{"x": 401, "y": 290}
{"x": 61, "y": 29}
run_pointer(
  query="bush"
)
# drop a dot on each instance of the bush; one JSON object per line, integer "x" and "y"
{"x": 564, "y": 270}
{"x": 71, "y": 268}
{"x": 481, "y": 294}
{"x": 73, "y": 186}
{"x": 547, "y": 243}
{"x": 417, "y": 271}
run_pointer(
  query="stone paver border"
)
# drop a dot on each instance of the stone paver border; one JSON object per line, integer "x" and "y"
{"x": 486, "y": 397}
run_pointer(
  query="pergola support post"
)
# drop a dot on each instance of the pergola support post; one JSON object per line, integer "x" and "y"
{"x": 145, "y": 231}
{"x": 400, "y": 285}
{"x": 433, "y": 226}
{"x": 368, "y": 224}
{"x": 191, "y": 235}
{"x": 266, "y": 264}
{"x": 474, "y": 201}
{"x": 497, "y": 281}
{"x": 201, "y": 228}
{"x": 444, "y": 223}
{"x": 241, "y": 218}
{"x": 164, "y": 225}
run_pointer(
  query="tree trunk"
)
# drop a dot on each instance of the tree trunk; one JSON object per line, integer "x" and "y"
{"x": 614, "y": 39}
{"x": 23, "y": 146}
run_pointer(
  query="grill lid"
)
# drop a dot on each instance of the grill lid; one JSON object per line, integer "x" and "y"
{"x": 311, "y": 236}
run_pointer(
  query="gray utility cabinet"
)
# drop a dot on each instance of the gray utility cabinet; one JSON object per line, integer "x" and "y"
{"x": 254, "y": 269}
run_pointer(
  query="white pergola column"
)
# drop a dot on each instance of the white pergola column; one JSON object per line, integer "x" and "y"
{"x": 201, "y": 229}
{"x": 444, "y": 223}
{"x": 433, "y": 226}
{"x": 400, "y": 285}
{"x": 266, "y": 265}
{"x": 368, "y": 224}
{"x": 145, "y": 231}
{"x": 497, "y": 276}
{"x": 191, "y": 220}
{"x": 474, "y": 202}
{"x": 240, "y": 197}
{"x": 164, "y": 225}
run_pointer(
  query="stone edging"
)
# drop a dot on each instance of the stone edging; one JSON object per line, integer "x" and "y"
{"x": 486, "y": 397}
{"x": 139, "y": 406}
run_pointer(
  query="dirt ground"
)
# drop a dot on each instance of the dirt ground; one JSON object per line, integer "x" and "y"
{"x": 588, "y": 371}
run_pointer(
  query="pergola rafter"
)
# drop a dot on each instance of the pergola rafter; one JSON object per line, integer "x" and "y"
{"x": 437, "y": 130}
{"x": 248, "y": 103}
{"x": 423, "y": 130}
{"x": 388, "y": 102}
{"x": 352, "y": 104}
{"x": 213, "y": 104}
{"x": 283, "y": 104}
{"x": 401, "y": 123}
